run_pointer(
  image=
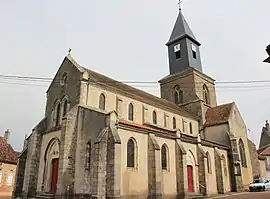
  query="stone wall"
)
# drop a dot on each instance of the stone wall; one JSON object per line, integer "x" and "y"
{"x": 202, "y": 170}
{"x": 219, "y": 172}
{"x": 18, "y": 185}
{"x": 255, "y": 163}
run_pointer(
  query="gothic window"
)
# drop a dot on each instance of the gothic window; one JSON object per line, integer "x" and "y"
{"x": 190, "y": 128}
{"x": 102, "y": 100}
{"x": 154, "y": 117}
{"x": 63, "y": 79}
{"x": 65, "y": 107}
{"x": 242, "y": 153}
{"x": 177, "y": 51}
{"x": 131, "y": 153}
{"x": 194, "y": 51}
{"x": 206, "y": 97}
{"x": 58, "y": 109}
{"x": 209, "y": 169}
{"x": 224, "y": 165}
{"x": 130, "y": 112}
{"x": 178, "y": 95}
{"x": 88, "y": 155}
{"x": 164, "y": 157}
{"x": 174, "y": 123}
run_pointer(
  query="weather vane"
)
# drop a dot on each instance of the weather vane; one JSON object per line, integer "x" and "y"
{"x": 179, "y": 4}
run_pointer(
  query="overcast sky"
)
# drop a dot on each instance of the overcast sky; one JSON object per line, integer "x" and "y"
{"x": 125, "y": 39}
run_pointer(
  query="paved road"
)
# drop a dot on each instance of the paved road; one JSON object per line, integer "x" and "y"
{"x": 253, "y": 195}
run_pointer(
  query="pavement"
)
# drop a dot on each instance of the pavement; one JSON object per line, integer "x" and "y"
{"x": 246, "y": 195}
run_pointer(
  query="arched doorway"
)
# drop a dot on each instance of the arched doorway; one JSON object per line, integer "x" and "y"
{"x": 190, "y": 178}
{"x": 51, "y": 160}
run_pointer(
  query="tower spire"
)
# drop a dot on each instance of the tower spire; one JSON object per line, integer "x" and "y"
{"x": 179, "y": 4}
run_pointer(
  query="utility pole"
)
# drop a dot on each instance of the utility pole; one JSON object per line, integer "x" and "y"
{"x": 267, "y": 60}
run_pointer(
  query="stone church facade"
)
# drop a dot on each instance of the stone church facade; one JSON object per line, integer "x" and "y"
{"x": 101, "y": 138}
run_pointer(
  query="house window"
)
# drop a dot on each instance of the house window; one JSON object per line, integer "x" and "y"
{"x": 10, "y": 179}
{"x": 1, "y": 175}
{"x": 174, "y": 123}
{"x": 88, "y": 155}
{"x": 190, "y": 128}
{"x": 209, "y": 169}
{"x": 65, "y": 107}
{"x": 164, "y": 157}
{"x": 194, "y": 51}
{"x": 131, "y": 153}
{"x": 154, "y": 117}
{"x": 177, "y": 51}
{"x": 206, "y": 97}
{"x": 178, "y": 95}
{"x": 58, "y": 109}
{"x": 102, "y": 100}
{"x": 130, "y": 112}
{"x": 242, "y": 153}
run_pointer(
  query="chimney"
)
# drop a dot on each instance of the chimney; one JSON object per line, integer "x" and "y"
{"x": 7, "y": 136}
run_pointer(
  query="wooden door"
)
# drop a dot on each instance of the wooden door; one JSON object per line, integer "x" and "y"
{"x": 190, "y": 178}
{"x": 54, "y": 174}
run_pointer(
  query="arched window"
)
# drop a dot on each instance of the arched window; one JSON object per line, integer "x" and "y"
{"x": 57, "y": 119}
{"x": 164, "y": 157}
{"x": 10, "y": 178}
{"x": 209, "y": 169}
{"x": 102, "y": 101}
{"x": 131, "y": 153}
{"x": 242, "y": 153}
{"x": 206, "y": 97}
{"x": 174, "y": 122}
{"x": 154, "y": 117}
{"x": 88, "y": 155}
{"x": 190, "y": 128}
{"x": 63, "y": 80}
{"x": 65, "y": 107}
{"x": 130, "y": 112}
{"x": 224, "y": 165}
{"x": 178, "y": 95}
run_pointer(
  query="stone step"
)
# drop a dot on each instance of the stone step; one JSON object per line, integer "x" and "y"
{"x": 199, "y": 196}
{"x": 45, "y": 196}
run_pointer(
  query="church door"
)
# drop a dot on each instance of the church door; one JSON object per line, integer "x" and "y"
{"x": 190, "y": 178}
{"x": 54, "y": 175}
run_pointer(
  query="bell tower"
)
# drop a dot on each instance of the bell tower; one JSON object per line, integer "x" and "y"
{"x": 186, "y": 84}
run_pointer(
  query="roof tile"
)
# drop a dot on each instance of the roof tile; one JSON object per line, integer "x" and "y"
{"x": 218, "y": 114}
{"x": 7, "y": 153}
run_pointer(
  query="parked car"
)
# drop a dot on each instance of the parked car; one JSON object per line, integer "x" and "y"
{"x": 259, "y": 185}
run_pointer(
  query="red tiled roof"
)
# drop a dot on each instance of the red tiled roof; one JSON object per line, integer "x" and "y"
{"x": 139, "y": 126}
{"x": 7, "y": 154}
{"x": 218, "y": 114}
{"x": 265, "y": 151}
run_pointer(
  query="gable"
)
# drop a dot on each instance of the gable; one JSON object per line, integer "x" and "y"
{"x": 265, "y": 138}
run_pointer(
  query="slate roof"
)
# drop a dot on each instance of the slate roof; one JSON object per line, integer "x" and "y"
{"x": 218, "y": 114}
{"x": 181, "y": 29}
{"x": 132, "y": 92}
{"x": 7, "y": 153}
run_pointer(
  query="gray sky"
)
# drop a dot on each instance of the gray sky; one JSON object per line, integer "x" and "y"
{"x": 125, "y": 39}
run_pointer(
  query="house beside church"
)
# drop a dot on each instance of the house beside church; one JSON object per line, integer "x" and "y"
{"x": 8, "y": 165}
{"x": 105, "y": 139}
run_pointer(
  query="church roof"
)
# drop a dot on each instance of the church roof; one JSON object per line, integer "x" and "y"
{"x": 7, "y": 153}
{"x": 132, "y": 92}
{"x": 218, "y": 114}
{"x": 181, "y": 29}
{"x": 265, "y": 150}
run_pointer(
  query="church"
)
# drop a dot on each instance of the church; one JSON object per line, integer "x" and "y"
{"x": 101, "y": 138}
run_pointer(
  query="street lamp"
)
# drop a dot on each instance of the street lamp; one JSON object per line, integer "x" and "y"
{"x": 268, "y": 52}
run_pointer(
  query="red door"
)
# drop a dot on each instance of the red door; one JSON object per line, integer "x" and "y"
{"x": 54, "y": 175}
{"x": 190, "y": 178}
